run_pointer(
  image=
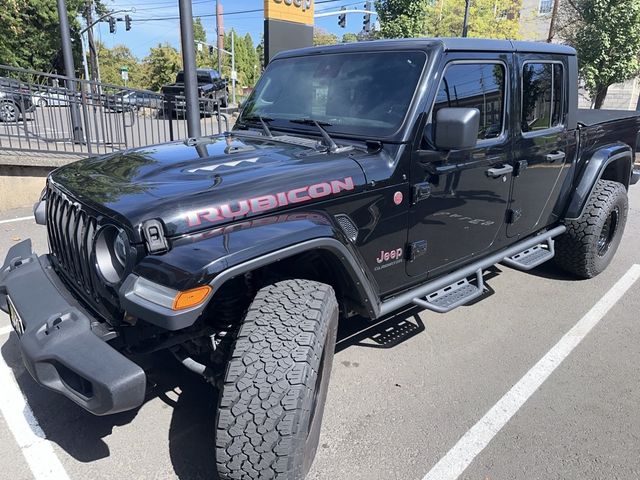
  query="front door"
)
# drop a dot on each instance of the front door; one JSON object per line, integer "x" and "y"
{"x": 542, "y": 146}
{"x": 461, "y": 196}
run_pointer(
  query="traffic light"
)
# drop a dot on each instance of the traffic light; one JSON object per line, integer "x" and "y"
{"x": 112, "y": 25}
{"x": 211, "y": 50}
{"x": 127, "y": 23}
{"x": 366, "y": 23}
{"x": 342, "y": 18}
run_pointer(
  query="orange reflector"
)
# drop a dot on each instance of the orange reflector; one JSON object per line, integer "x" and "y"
{"x": 191, "y": 298}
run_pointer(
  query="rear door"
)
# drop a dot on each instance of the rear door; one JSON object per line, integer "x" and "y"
{"x": 542, "y": 144}
{"x": 461, "y": 209}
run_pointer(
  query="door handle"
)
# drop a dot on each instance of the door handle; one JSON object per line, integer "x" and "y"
{"x": 500, "y": 171}
{"x": 552, "y": 157}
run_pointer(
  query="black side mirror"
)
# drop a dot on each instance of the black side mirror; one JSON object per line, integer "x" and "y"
{"x": 457, "y": 128}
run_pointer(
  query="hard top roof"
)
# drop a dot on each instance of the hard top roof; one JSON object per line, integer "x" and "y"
{"x": 447, "y": 44}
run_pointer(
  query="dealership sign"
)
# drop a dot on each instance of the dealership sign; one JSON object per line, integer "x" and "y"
{"x": 297, "y": 11}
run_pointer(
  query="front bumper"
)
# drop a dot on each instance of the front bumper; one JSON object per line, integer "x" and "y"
{"x": 58, "y": 346}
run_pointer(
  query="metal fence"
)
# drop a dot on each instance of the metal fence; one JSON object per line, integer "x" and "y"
{"x": 42, "y": 112}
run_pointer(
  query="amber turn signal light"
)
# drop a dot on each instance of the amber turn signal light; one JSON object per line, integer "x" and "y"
{"x": 191, "y": 298}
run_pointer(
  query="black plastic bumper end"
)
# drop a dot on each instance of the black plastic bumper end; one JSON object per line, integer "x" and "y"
{"x": 58, "y": 346}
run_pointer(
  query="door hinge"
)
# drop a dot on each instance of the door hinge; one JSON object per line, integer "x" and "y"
{"x": 417, "y": 249}
{"x": 514, "y": 215}
{"x": 421, "y": 191}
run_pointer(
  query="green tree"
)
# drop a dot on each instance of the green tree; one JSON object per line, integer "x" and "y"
{"x": 113, "y": 59}
{"x": 444, "y": 18}
{"x": 606, "y": 35}
{"x": 160, "y": 66}
{"x": 30, "y": 35}
{"x": 402, "y": 18}
{"x": 199, "y": 35}
{"x": 349, "y": 38}
{"x": 260, "y": 53}
{"x": 204, "y": 59}
{"x": 253, "y": 62}
{"x": 322, "y": 37}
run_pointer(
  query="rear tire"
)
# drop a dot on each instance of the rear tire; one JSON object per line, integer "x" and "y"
{"x": 591, "y": 241}
{"x": 275, "y": 387}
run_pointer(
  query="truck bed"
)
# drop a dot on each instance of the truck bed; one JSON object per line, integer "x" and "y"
{"x": 589, "y": 117}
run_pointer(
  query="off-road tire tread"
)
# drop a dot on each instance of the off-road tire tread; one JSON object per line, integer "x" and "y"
{"x": 268, "y": 376}
{"x": 575, "y": 249}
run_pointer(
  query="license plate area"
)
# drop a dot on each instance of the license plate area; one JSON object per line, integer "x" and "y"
{"x": 14, "y": 317}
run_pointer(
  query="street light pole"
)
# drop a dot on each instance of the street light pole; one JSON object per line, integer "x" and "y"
{"x": 465, "y": 22}
{"x": 69, "y": 70}
{"x": 233, "y": 67}
{"x": 189, "y": 68}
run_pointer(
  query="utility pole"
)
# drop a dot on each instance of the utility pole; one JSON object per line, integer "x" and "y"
{"x": 552, "y": 23}
{"x": 93, "y": 54}
{"x": 70, "y": 72}
{"x": 189, "y": 68}
{"x": 465, "y": 22}
{"x": 219, "y": 34}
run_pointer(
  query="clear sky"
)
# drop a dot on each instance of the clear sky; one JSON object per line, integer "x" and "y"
{"x": 145, "y": 33}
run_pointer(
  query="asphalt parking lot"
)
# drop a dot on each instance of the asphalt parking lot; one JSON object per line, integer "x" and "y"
{"x": 494, "y": 390}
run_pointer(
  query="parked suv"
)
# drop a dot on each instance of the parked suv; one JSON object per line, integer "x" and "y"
{"x": 359, "y": 179}
{"x": 15, "y": 100}
{"x": 212, "y": 90}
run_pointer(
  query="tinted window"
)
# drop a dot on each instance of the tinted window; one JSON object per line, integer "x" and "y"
{"x": 356, "y": 93}
{"x": 478, "y": 86}
{"x": 203, "y": 77}
{"x": 542, "y": 96}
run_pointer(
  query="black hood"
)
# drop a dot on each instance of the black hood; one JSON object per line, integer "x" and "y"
{"x": 191, "y": 187}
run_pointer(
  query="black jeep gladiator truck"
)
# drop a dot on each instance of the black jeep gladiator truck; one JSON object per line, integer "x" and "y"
{"x": 359, "y": 179}
{"x": 212, "y": 89}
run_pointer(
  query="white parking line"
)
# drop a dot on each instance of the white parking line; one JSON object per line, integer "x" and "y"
{"x": 478, "y": 437}
{"x": 37, "y": 450}
{"x": 20, "y": 219}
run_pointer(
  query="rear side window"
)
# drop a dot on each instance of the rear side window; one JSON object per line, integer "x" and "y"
{"x": 542, "y": 96}
{"x": 475, "y": 85}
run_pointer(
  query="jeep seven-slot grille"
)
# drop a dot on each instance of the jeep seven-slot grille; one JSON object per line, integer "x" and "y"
{"x": 71, "y": 232}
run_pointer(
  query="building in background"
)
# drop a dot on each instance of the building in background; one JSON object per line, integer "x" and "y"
{"x": 535, "y": 18}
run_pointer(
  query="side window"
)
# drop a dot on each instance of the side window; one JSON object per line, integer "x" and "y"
{"x": 542, "y": 96}
{"x": 480, "y": 86}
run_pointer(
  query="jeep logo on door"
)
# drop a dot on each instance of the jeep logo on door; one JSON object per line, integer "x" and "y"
{"x": 297, "y": 11}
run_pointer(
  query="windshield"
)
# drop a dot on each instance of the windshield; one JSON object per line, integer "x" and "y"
{"x": 364, "y": 94}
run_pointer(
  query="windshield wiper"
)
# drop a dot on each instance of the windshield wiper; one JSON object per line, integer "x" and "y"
{"x": 331, "y": 145}
{"x": 263, "y": 121}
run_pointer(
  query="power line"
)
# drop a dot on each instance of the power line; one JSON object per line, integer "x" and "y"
{"x": 235, "y": 12}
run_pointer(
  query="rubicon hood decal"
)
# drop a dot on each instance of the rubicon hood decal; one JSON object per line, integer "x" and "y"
{"x": 263, "y": 203}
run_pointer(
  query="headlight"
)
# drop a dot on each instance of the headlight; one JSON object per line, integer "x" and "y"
{"x": 112, "y": 251}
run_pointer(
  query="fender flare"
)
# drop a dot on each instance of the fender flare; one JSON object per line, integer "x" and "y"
{"x": 332, "y": 246}
{"x": 593, "y": 171}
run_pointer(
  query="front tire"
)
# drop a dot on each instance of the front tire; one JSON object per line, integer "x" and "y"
{"x": 591, "y": 241}
{"x": 275, "y": 387}
{"x": 9, "y": 112}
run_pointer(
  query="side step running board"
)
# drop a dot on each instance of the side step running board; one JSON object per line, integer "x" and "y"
{"x": 406, "y": 298}
{"x": 452, "y": 296}
{"x": 531, "y": 257}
